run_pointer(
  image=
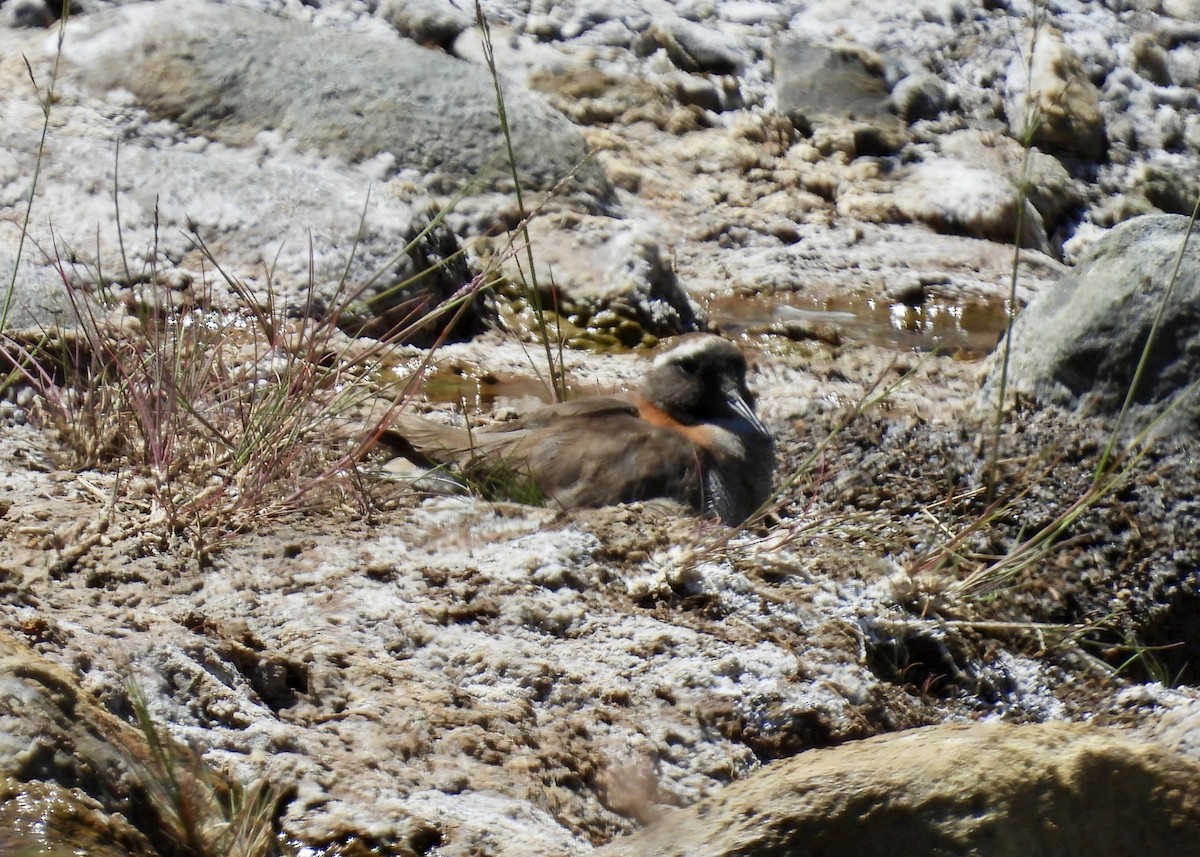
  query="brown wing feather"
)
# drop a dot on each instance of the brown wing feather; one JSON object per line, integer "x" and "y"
{"x": 596, "y": 408}
{"x": 424, "y": 440}
{"x": 616, "y": 459}
{"x": 588, "y": 452}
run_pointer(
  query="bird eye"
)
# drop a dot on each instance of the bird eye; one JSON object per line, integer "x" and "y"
{"x": 688, "y": 367}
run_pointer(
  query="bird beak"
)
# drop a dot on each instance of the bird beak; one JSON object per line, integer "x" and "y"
{"x": 740, "y": 406}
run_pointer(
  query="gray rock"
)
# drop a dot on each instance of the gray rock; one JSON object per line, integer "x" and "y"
{"x": 697, "y": 47}
{"x": 1187, "y": 10}
{"x": 427, "y": 22}
{"x": 34, "y": 14}
{"x": 600, "y": 263}
{"x": 991, "y": 790}
{"x": 699, "y": 91}
{"x": 304, "y": 238}
{"x": 39, "y": 298}
{"x": 1048, "y": 186}
{"x": 839, "y": 85}
{"x": 1168, "y": 187}
{"x": 751, "y": 12}
{"x": 920, "y": 96}
{"x": 959, "y": 198}
{"x": 815, "y": 81}
{"x": 230, "y": 73}
{"x": 1078, "y": 344}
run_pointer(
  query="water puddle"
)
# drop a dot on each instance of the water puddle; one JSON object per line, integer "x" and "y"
{"x": 969, "y": 329}
{"x": 483, "y": 392}
{"x": 965, "y": 330}
{"x": 46, "y": 820}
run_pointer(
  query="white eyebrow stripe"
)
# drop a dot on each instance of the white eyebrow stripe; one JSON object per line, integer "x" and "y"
{"x": 689, "y": 351}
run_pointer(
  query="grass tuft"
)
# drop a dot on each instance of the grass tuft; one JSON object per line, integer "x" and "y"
{"x": 200, "y": 812}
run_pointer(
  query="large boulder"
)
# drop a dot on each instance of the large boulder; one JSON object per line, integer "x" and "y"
{"x": 306, "y": 238}
{"x": 990, "y": 790}
{"x": 1078, "y": 344}
{"x": 230, "y": 74}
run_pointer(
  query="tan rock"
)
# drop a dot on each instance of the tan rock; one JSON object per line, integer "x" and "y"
{"x": 596, "y": 262}
{"x": 979, "y": 789}
{"x": 1050, "y": 98}
{"x": 957, "y": 198}
{"x": 1049, "y": 187}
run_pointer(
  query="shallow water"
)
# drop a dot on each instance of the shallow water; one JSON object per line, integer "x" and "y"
{"x": 484, "y": 392}
{"x": 968, "y": 329}
{"x": 41, "y": 820}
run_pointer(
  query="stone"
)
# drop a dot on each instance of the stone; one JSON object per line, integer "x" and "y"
{"x": 301, "y": 238}
{"x": 1078, "y": 344}
{"x": 1185, "y": 10}
{"x": 920, "y": 95}
{"x": 838, "y": 90}
{"x": 1052, "y": 102}
{"x": 426, "y": 22}
{"x": 33, "y": 14}
{"x": 751, "y": 12}
{"x": 39, "y": 299}
{"x": 815, "y": 82}
{"x": 53, "y": 731}
{"x": 696, "y": 47}
{"x": 958, "y": 198}
{"x": 970, "y": 186}
{"x": 988, "y": 789}
{"x": 598, "y": 262}
{"x": 1168, "y": 187}
{"x": 1049, "y": 187}
{"x": 229, "y": 74}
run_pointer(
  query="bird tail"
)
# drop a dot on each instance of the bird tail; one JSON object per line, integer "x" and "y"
{"x": 425, "y": 442}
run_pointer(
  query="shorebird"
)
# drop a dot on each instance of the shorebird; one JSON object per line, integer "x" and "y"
{"x": 690, "y": 434}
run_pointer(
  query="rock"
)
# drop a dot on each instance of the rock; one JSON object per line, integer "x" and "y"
{"x": 751, "y": 12}
{"x": 1150, "y": 60}
{"x": 426, "y": 22}
{"x": 230, "y": 74}
{"x": 972, "y": 187}
{"x": 1186, "y": 10}
{"x": 1053, "y": 102}
{"x": 920, "y": 95}
{"x": 1167, "y": 187}
{"x": 601, "y": 264}
{"x": 1051, "y": 190}
{"x": 839, "y": 85}
{"x": 39, "y": 298}
{"x": 990, "y": 790}
{"x": 695, "y": 47}
{"x": 34, "y": 14}
{"x": 1078, "y": 344}
{"x": 958, "y": 199}
{"x": 816, "y": 81}
{"x": 38, "y": 817}
{"x": 299, "y": 237}
{"x": 55, "y": 739}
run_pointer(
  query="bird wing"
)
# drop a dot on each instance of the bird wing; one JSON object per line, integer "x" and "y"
{"x": 615, "y": 459}
{"x": 601, "y": 406}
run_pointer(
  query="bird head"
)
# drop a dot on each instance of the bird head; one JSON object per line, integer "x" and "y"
{"x": 702, "y": 378}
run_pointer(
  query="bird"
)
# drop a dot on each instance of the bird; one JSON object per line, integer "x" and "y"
{"x": 689, "y": 434}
